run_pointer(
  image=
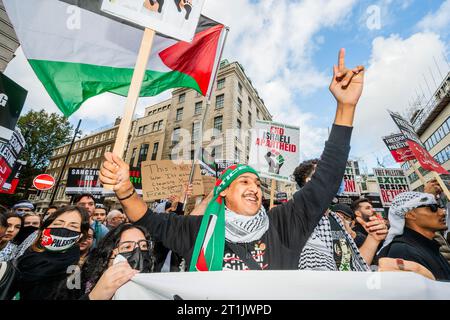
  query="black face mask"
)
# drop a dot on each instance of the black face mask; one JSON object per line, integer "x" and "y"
{"x": 24, "y": 233}
{"x": 139, "y": 260}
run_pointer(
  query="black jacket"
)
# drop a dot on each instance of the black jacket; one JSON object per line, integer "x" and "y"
{"x": 290, "y": 224}
{"x": 413, "y": 246}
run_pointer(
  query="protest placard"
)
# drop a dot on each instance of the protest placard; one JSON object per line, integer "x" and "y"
{"x": 425, "y": 159}
{"x": 397, "y": 145}
{"x": 163, "y": 178}
{"x": 12, "y": 98}
{"x": 350, "y": 186}
{"x": 274, "y": 150}
{"x": 391, "y": 182}
{"x": 177, "y": 19}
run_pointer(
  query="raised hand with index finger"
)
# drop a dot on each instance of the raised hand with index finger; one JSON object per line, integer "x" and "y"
{"x": 347, "y": 84}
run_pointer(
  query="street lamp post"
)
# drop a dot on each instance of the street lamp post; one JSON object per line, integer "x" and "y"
{"x": 77, "y": 131}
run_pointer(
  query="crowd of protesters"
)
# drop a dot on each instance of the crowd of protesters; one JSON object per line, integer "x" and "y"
{"x": 86, "y": 251}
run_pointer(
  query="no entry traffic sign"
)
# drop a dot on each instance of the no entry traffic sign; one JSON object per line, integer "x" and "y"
{"x": 44, "y": 182}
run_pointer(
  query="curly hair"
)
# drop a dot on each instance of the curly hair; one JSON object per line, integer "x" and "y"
{"x": 304, "y": 170}
{"x": 97, "y": 262}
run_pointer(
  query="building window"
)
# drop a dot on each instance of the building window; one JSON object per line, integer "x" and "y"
{"x": 155, "y": 126}
{"x": 155, "y": 150}
{"x": 89, "y": 142}
{"x": 75, "y": 147}
{"x": 71, "y": 159}
{"x": 218, "y": 123}
{"x": 77, "y": 159}
{"x": 249, "y": 102}
{"x": 216, "y": 152}
{"x": 176, "y": 135}
{"x": 82, "y": 143}
{"x": 220, "y": 100}
{"x": 96, "y": 139}
{"x": 182, "y": 98}
{"x": 179, "y": 114}
{"x": 99, "y": 153}
{"x": 91, "y": 154}
{"x": 238, "y": 127}
{"x": 198, "y": 108}
{"x": 220, "y": 84}
{"x": 133, "y": 156}
{"x": 249, "y": 118}
{"x": 196, "y": 131}
{"x": 142, "y": 154}
{"x": 85, "y": 155}
{"x": 112, "y": 134}
{"x": 108, "y": 148}
{"x": 103, "y": 138}
{"x": 160, "y": 124}
{"x": 237, "y": 155}
{"x": 239, "y": 105}
{"x": 240, "y": 87}
{"x": 257, "y": 113}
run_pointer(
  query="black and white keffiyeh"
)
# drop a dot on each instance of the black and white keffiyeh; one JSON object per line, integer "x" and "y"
{"x": 403, "y": 203}
{"x": 318, "y": 251}
{"x": 245, "y": 229}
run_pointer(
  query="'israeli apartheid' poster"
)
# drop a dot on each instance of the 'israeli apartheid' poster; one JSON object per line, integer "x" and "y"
{"x": 177, "y": 19}
{"x": 391, "y": 182}
{"x": 275, "y": 150}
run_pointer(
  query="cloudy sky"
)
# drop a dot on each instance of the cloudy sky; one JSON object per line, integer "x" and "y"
{"x": 288, "y": 48}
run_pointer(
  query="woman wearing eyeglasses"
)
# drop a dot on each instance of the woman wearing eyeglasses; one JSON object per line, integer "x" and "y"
{"x": 100, "y": 277}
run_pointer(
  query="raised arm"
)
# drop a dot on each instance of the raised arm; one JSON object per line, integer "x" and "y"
{"x": 116, "y": 172}
{"x": 309, "y": 204}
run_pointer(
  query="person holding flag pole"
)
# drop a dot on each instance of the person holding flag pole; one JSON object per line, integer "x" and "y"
{"x": 236, "y": 233}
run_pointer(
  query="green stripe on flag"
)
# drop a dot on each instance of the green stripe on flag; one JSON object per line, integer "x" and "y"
{"x": 71, "y": 84}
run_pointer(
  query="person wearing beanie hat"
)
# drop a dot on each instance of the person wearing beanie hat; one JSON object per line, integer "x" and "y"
{"x": 236, "y": 232}
{"x": 414, "y": 218}
{"x": 23, "y": 207}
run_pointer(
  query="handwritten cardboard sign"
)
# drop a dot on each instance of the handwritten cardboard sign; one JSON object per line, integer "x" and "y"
{"x": 163, "y": 178}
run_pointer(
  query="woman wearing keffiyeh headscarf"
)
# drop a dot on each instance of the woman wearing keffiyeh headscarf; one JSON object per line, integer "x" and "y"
{"x": 236, "y": 233}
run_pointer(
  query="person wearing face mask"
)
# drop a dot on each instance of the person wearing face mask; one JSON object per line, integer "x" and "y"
{"x": 102, "y": 274}
{"x": 44, "y": 265}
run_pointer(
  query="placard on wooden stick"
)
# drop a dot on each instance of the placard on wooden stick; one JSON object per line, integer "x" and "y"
{"x": 178, "y": 19}
{"x": 163, "y": 178}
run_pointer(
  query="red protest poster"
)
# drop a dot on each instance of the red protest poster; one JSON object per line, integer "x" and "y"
{"x": 398, "y": 147}
{"x": 425, "y": 159}
{"x": 5, "y": 171}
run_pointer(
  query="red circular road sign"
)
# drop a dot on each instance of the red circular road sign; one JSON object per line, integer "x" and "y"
{"x": 44, "y": 182}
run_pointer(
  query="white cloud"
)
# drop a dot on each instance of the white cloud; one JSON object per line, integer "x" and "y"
{"x": 397, "y": 68}
{"x": 437, "y": 21}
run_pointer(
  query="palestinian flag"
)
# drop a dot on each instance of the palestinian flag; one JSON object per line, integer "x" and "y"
{"x": 77, "y": 51}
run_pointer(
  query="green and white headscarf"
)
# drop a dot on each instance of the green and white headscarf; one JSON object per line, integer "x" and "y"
{"x": 210, "y": 242}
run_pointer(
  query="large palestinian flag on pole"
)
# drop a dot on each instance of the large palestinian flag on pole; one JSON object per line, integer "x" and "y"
{"x": 77, "y": 51}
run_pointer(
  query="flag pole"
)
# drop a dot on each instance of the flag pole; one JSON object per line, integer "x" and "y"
{"x": 133, "y": 94}
{"x": 272, "y": 193}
